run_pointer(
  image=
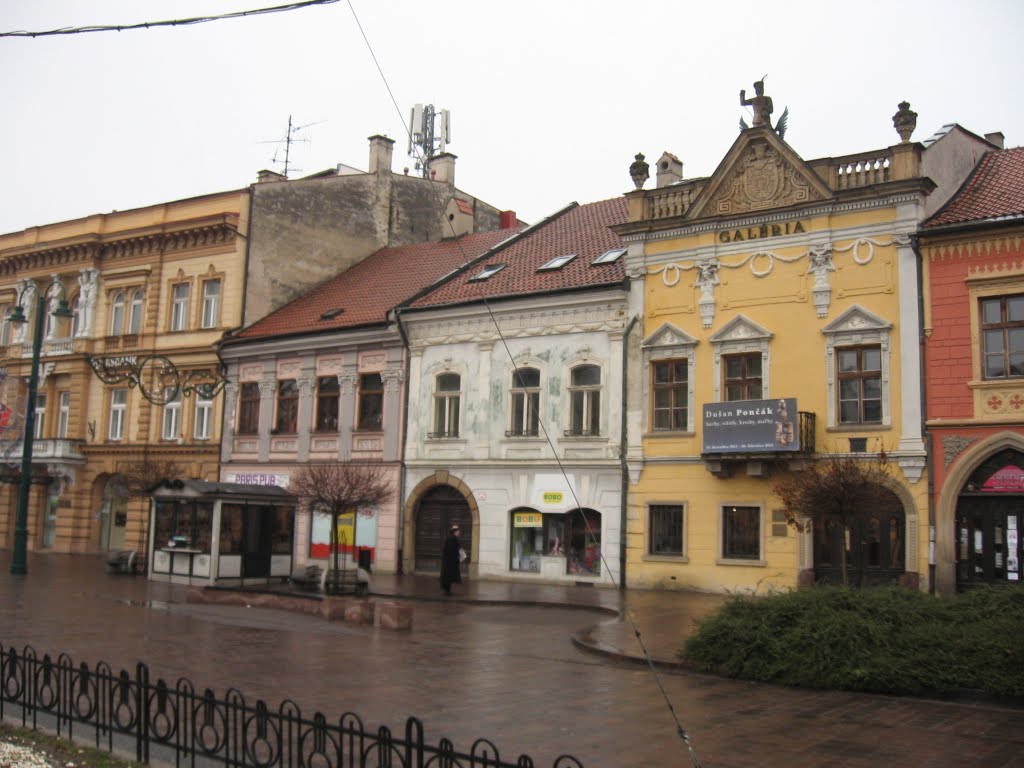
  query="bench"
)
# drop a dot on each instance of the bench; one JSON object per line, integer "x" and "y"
{"x": 307, "y": 577}
{"x": 347, "y": 582}
{"x": 123, "y": 561}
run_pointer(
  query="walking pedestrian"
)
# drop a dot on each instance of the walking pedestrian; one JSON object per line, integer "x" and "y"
{"x": 451, "y": 557}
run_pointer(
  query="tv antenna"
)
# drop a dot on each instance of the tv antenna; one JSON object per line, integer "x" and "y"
{"x": 424, "y": 141}
{"x": 288, "y": 140}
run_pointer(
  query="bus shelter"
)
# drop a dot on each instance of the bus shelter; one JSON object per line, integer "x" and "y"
{"x": 225, "y": 534}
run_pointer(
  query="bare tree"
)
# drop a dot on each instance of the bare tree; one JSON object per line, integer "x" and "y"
{"x": 838, "y": 488}
{"x": 337, "y": 489}
{"x": 141, "y": 477}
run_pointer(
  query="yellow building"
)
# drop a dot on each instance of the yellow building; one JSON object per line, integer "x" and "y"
{"x": 780, "y": 327}
{"x": 150, "y": 284}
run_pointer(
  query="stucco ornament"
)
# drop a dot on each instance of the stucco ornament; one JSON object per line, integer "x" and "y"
{"x": 27, "y": 292}
{"x": 707, "y": 279}
{"x": 54, "y": 303}
{"x": 904, "y": 121}
{"x": 819, "y": 259}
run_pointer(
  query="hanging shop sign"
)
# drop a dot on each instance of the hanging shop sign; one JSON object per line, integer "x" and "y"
{"x": 527, "y": 519}
{"x": 751, "y": 426}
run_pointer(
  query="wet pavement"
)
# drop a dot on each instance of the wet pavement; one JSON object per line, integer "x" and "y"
{"x": 512, "y": 662}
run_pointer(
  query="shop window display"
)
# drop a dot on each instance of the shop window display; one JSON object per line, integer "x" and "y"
{"x": 535, "y": 535}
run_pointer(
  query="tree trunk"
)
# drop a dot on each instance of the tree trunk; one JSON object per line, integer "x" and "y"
{"x": 843, "y": 557}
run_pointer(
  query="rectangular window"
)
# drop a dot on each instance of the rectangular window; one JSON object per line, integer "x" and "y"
{"x": 179, "y": 307}
{"x": 1002, "y": 337}
{"x": 741, "y": 533}
{"x": 203, "y": 428}
{"x": 585, "y": 401}
{"x": 327, "y": 394}
{"x": 860, "y": 384}
{"x": 117, "y": 313}
{"x": 64, "y": 415}
{"x": 211, "y": 303}
{"x": 743, "y": 376}
{"x": 525, "y": 393}
{"x": 446, "y": 405}
{"x": 249, "y": 408}
{"x": 172, "y": 414}
{"x": 666, "y": 529}
{"x": 135, "y": 313}
{"x": 371, "y": 401}
{"x": 40, "y": 419}
{"x": 671, "y": 395}
{"x": 287, "y": 407}
{"x": 118, "y": 405}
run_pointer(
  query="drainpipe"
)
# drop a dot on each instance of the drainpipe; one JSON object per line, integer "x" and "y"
{"x": 405, "y": 438}
{"x": 928, "y": 446}
{"x": 623, "y": 442}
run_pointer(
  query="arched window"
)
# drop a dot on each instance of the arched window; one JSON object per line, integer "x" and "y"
{"x": 135, "y": 314}
{"x": 525, "y": 398}
{"x": 447, "y": 389}
{"x": 585, "y": 401}
{"x": 117, "y": 313}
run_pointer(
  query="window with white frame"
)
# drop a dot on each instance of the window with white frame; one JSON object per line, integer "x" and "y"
{"x": 447, "y": 397}
{"x": 179, "y": 307}
{"x": 117, "y": 306}
{"x": 211, "y": 303}
{"x": 665, "y": 527}
{"x": 172, "y": 413}
{"x": 135, "y": 312}
{"x": 5, "y": 325}
{"x": 857, "y": 366}
{"x": 203, "y": 426}
{"x": 63, "y": 414}
{"x": 118, "y": 406}
{"x": 76, "y": 317}
{"x": 742, "y": 361}
{"x": 585, "y": 401}
{"x": 40, "y": 420}
{"x": 741, "y": 532}
{"x": 668, "y": 379}
{"x": 525, "y": 399}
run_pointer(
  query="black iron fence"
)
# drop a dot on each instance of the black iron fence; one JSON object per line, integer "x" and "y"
{"x": 192, "y": 728}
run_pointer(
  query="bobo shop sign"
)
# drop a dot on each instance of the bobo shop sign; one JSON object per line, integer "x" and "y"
{"x": 751, "y": 426}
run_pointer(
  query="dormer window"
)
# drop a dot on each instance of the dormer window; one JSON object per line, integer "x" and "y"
{"x": 556, "y": 263}
{"x": 488, "y": 271}
{"x": 609, "y": 257}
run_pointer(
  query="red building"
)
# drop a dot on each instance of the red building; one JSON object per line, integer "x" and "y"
{"x": 973, "y": 267}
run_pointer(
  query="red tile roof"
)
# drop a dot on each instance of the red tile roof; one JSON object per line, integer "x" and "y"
{"x": 369, "y": 289}
{"x": 994, "y": 190}
{"x": 582, "y": 230}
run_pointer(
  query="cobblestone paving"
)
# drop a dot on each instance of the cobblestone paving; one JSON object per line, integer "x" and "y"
{"x": 478, "y": 666}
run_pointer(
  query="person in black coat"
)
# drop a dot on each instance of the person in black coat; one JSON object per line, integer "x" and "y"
{"x": 450, "y": 559}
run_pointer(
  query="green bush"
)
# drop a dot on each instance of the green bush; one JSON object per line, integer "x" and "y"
{"x": 884, "y": 640}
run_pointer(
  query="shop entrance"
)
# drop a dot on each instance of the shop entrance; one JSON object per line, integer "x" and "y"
{"x": 440, "y": 508}
{"x": 113, "y": 514}
{"x": 990, "y": 523}
{"x": 259, "y": 524}
{"x": 874, "y": 542}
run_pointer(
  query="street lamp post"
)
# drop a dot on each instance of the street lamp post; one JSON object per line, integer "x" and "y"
{"x": 19, "y": 563}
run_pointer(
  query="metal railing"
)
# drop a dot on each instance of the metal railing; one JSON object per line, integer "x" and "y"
{"x": 190, "y": 726}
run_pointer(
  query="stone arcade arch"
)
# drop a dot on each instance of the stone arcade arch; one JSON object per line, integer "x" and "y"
{"x": 437, "y": 502}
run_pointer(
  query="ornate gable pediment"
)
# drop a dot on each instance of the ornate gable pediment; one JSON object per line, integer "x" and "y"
{"x": 668, "y": 336}
{"x": 760, "y": 172}
{"x": 740, "y": 328}
{"x": 855, "y": 319}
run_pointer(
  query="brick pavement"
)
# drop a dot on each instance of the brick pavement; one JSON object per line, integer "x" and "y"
{"x": 498, "y": 661}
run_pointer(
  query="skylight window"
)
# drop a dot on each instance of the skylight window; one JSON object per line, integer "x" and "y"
{"x": 330, "y": 314}
{"x": 489, "y": 271}
{"x": 557, "y": 263}
{"x": 609, "y": 257}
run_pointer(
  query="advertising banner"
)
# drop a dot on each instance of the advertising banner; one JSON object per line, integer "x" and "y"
{"x": 751, "y": 426}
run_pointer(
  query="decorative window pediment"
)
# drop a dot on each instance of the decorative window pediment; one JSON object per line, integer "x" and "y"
{"x": 856, "y": 319}
{"x": 668, "y": 336}
{"x": 740, "y": 328}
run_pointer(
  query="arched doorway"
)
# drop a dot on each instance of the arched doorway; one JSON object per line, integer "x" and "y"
{"x": 990, "y": 522}
{"x": 874, "y": 542}
{"x": 440, "y": 508}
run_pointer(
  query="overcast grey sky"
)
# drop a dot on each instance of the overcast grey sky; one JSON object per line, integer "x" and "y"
{"x": 549, "y": 99}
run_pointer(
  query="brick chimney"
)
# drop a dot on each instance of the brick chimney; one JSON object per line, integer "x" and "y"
{"x": 262, "y": 177}
{"x": 442, "y": 168}
{"x": 507, "y": 219}
{"x": 381, "y": 148}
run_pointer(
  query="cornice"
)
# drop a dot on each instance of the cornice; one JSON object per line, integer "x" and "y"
{"x": 206, "y": 232}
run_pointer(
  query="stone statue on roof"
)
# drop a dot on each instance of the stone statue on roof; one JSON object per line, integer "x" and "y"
{"x": 761, "y": 104}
